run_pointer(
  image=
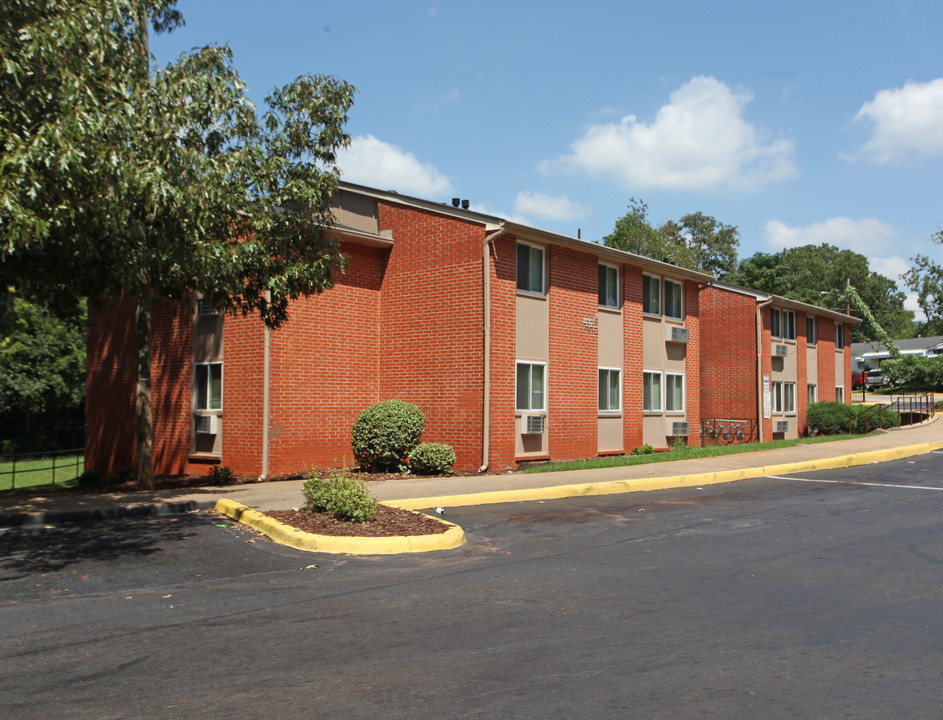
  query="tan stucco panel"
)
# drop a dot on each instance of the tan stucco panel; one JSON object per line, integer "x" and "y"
{"x": 611, "y": 339}
{"x": 840, "y": 371}
{"x": 812, "y": 365}
{"x": 533, "y": 329}
{"x": 609, "y": 434}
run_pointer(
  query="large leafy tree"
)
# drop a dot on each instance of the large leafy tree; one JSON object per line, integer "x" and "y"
{"x": 926, "y": 279}
{"x": 818, "y": 275}
{"x": 117, "y": 178}
{"x": 696, "y": 241}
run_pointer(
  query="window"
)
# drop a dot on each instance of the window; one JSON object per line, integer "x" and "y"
{"x": 674, "y": 392}
{"x": 674, "y": 307}
{"x": 205, "y": 307}
{"x": 608, "y": 286}
{"x": 530, "y": 386}
{"x": 777, "y": 397}
{"x": 651, "y": 392}
{"x": 840, "y": 394}
{"x": 789, "y": 325}
{"x": 208, "y": 386}
{"x": 651, "y": 295}
{"x": 789, "y": 397}
{"x": 812, "y": 395}
{"x": 530, "y": 268}
{"x": 610, "y": 389}
{"x": 839, "y": 336}
{"x": 775, "y": 323}
{"x": 810, "y": 334}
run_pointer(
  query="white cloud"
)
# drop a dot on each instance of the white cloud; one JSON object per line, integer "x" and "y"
{"x": 869, "y": 236}
{"x": 906, "y": 122}
{"x": 697, "y": 141}
{"x": 890, "y": 267}
{"x": 370, "y": 161}
{"x": 547, "y": 206}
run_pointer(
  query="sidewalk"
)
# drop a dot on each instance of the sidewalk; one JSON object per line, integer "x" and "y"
{"x": 418, "y": 493}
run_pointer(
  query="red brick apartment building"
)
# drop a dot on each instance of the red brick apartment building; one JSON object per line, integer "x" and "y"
{"x": 518, "y": 344}
{"x": 764, "y": 358}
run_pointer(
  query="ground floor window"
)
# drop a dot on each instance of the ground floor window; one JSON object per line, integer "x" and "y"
{"x": 208, "y": 386}
{"x": 840, "y": 394}
{"x": 531, "y": 382}
{"x": 777, "y": 397}
{"x": 610, "y": 389}
{"x": 789, "y": 397}
{"x": 674, "y": 392}
{"x": 651, "y": 392}
{"x": 812, "y": 394}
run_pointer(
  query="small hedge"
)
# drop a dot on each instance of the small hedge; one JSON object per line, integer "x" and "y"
{"x": 342, "y": 495}
{"x": 831, "y": 418}
{"x": 384, "y": 434}
{"x": 432, "y": 459}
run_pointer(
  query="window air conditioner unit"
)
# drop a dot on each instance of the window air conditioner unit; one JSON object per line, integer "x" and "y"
{"x": 676, "y": 334}
{"x": 533, "y": 424}
{"x": 781, "y": 426}
{"x": 204, "y": 307}
{"x": 678, "y": 429}
{"x": 206, "y": 424}
{"x": 780, "y": 350}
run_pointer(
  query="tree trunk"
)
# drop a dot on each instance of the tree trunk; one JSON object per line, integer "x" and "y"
{"x": 143, "y": 410}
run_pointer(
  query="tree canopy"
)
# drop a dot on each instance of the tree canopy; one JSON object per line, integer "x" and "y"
{"x": 926, "y": 279}
{"x": 818, "y": 275}
{"x": 697, "y": 241}
{"x": 118, "y": 179}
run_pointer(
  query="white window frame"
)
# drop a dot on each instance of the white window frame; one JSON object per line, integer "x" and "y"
{"x": 840, "y": 393}
{"x": 789, "y": 325}
{"x": 789, "y": 397}
{"x": 680, "y": 293}
{"x": 530, "y": 387}
{"x": 777, "y": 396}
{"x": 649, "y": 379}
{"x": 543, "y": 267}
{"x": 610, "y": 393}
{"x": 811, "y": 330}
{"x": 812, "y": 393}
{"x": 775, "y": 322}
{"x": 647, "y": 297}
{"x": 205, "y": 404}
{"x": 604, "y": 279}
{"x": 839, "y": 336}
{"x": 670, "y": 385}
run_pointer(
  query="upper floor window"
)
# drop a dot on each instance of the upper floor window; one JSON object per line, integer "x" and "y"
{"x": 783, "y": 324}
{"x": 608, "y": 286}
{"x": 674, "y": 304}
{"x": 651, "y": 295}
{"x": 811, "y": 336}
{"x": 839, "y": 336}
{"x": 530, "y": 268}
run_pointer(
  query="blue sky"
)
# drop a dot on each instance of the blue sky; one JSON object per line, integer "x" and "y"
{"x": 799, "y": 122}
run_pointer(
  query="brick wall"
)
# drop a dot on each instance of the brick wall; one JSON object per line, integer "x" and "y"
{"x": 692, "y": 360}
{"x": 826, "y": 354}
{"x": 432, "y": 325}
{"x": 572, "y": 370}
{"x": 503, "y": 350}
{"x": 728, "y": 376}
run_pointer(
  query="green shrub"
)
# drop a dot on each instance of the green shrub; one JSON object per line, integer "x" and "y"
{"x": 829, "y": 418}
{"x": 646, "y": 449}
{"x": 344, "y": 496}
{"x": 90, "y": 478}
{"x": 126, "y": 475}
{"x": 384, "y": 434}
{"x": 432, "y": 459}
{"x": 220, "y": 475}
{"x": 914, "y": 373}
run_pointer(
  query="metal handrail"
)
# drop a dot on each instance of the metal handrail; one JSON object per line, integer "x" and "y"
{"x": 922, "y": 403}
{"x": 75, "y": 459}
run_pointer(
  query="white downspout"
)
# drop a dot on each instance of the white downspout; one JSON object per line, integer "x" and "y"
{"x": 486, "y": 370}
{"x": 759, "y": 368}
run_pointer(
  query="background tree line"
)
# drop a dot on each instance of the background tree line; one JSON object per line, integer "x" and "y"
{"x": 814, "y": 274}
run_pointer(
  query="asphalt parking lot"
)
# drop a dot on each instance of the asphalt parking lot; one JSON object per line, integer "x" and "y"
{"x": 808, "y": 596}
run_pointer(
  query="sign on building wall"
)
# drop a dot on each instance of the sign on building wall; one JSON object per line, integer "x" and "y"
{"x": 767, "y": 398}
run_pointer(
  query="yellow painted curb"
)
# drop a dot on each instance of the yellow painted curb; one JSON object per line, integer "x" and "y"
{"x": 614, "y": 487}
{"x": 288, "y": 535}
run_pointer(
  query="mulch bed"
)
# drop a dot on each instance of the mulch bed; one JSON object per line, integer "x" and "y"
{"x": 387, "y": 522}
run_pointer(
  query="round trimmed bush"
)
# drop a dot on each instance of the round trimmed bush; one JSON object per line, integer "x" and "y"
{"x": 432, "y": 459}
{"x": 384, "y": 434}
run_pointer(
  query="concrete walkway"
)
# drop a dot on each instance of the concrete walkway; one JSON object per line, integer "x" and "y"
{"x": 419, "y": 493}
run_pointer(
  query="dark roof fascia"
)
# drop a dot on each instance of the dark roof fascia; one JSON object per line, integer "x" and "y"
{"x": 780, "y": 301}
{"x": 360, "y": 237}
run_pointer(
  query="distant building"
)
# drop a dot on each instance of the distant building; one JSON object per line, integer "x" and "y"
{"x": 870, "y": 355}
